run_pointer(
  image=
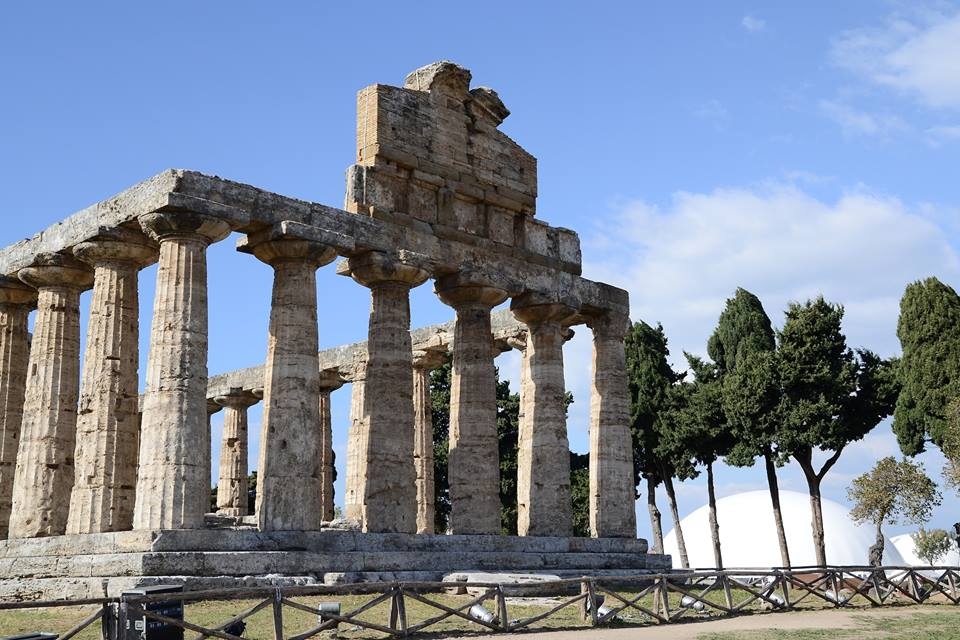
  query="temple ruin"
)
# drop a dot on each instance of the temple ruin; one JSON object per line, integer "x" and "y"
{"x": 102, "y": 488}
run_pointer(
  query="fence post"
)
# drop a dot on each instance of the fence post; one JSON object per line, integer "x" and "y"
{"x": 278, "y": 615}
{"x": 502, "y": 609}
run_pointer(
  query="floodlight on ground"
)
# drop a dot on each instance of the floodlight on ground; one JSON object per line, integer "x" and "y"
{"x": 689, "y": 602}
{"x": 481, "y": 613}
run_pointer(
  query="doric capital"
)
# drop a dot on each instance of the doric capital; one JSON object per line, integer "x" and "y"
{"x": 612, "y": 325}
{"x": 118, "y": 245}
{"x": 237, "y": 398}
{"x": 15, "y": 292}
{"x": 57, "y": 270}
{"x": 533, "y": 311}
{"x": 429, "y": 359}
{"x": 330, "y": 380}
{"x": 276, "y": 252}
{"x": 378, "y": 267}
{"x": 463, "y": 290}
{"x": 163, "y": 225}
{"x": 212, "y": 407}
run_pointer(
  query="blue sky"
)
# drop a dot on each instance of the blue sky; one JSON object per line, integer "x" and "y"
{"x": 789, "y": 148}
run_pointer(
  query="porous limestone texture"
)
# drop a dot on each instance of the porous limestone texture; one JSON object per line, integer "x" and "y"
{"x": 330, "y": 381}
{"x": 357, "y": 442}
{"x": 173, "y": 481}
{"x": 474, "y": 462}
{"x": 424, "y": 361}
{"x": 612, "y": 497}
{"x": 388, "y": 501}
{"x": 45, "y": 470}
{"x": 289, "y": 476}
{"x": 543, "y": 457}
{"x": 232, "y": 476}
{"x": 52, "y": 567}
{"x": 16, "y": 302}
{"x": 107, "y": 420}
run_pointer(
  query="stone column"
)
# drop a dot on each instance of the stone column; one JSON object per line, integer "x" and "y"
{"x": 212, "y": 407}
{"x": 106, "y": 452}
{"x": 423, "y": 363}
{"x": 16, "y": 302}
{"x": 289, "y": 477}
{"x": 612, "y": 492}
{"x": 356, "y": 467}
{"x": 330, "y": 381}
{"x": 474, "y": 462}
{"x": 232, "y": 477}
{"x": 388, "y": 501}
{"x": 543, "y": 459}
{"x": 173, "y": 481}
{"x": 44, "y": 473}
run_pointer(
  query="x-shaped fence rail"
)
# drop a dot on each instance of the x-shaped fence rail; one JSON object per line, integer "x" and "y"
{"x": 656, "y": 598}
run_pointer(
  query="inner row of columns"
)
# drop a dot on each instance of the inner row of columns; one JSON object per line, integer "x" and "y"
{"x": 73, "y": 470}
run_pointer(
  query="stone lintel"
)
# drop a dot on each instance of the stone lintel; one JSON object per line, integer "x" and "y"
{"x": 288, "y": 230}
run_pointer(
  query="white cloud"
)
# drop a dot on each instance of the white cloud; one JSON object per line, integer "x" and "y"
{"x": 854, "y": 122}
{"x": 753, "y": 25}
{"x": 712, "y": 110}
{"x": 681, "y": 262}
{"x": 943, "y": 133}
{"x": 914, "y": 55}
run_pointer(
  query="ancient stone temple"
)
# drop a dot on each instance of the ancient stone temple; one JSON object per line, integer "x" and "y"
{"x": 103, "y": 486}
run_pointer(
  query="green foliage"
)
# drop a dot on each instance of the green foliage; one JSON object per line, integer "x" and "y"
{"x": 580, "y": 493}
{"x": 893, "y": 492}
{"x": 743, "y": 329}
{"x": 699, "y": 430}
{"x": 929, "y": 332}
{"x": 440, "y": 415}
{"x": 951, "y": 445}
{"x": 651, "y": 384}
{"x": 831, "y": 396}
{"x": 508, "y": 433}
{"x": 932, "y": 545}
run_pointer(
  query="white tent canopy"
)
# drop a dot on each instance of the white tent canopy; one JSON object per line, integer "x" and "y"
{"x": 748, "y": 537}
{"x": 904, "y": 544}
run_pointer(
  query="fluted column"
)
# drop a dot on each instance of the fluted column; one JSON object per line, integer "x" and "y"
{"x": 330, "y": 381}
{"x": 173, "y": 481}
{"x": 45, "y": 470}
{"x": 474, "y": 462}
{"x": 424, "y": 362}
{"x": 389, "y": 494}
{"x": 16, "y": 302}
{"x": 612, "y": 491}
{"x": 289, "y": 478}
{"x": 232, "y": 476}
{"x": 106, "y": 451}
{"x": 213, "y": 407}
{"x": 543, "y": 459}
{"x": 356, "y": 466}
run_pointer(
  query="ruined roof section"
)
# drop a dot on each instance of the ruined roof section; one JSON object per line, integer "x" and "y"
{"x": 431, "y": 150}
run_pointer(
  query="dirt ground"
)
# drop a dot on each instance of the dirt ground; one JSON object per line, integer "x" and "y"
{"x": 794, "y": 620}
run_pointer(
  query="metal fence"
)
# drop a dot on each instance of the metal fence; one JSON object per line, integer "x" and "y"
{"x": 661, "y": 598}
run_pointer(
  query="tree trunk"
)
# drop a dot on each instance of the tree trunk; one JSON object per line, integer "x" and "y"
{"x": 677, "y": 527}
{"x": 777, "y": 513}
{"x": 816, "y": 524}
{"x": 876, "y": 549}
{"x": 714, "y": 525}
{"x": 655, "y": 525}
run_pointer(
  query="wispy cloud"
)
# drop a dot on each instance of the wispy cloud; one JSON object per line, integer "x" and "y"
{"x": 941, "y": 134}
{"x": 916, "y": 55}
{"x": 855, "y": 122}
{"x": 753, "y": 25}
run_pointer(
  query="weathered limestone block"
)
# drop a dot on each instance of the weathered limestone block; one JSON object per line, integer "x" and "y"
{"x": 16, "y": 302}
{"x": 173, "y": 480}
{"x": 424, "y": 361}
{"x": 330, "y": 381}
{"x": 389, "y": 496}
{"x": 45, "y": 469}
{"x": 543, "y": 458}
{"x": 356, "y": 464}
{"x": 474, "y": 463}
{"x": 612, "y": 495}
{"x": 289, "y": 479}
{"x": 232, "y": 477}
{"x": 107, "y": 421}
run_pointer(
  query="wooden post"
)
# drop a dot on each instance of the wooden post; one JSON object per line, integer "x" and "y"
{"x": 278, "y": 615}
{"x": 502, "y": 609}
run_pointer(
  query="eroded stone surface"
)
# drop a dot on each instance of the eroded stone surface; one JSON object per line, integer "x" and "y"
{"x": 173, "y": 481}
{"x": 330, "y": 381}
{"x": 424, "y": 361}
{"x": 232, "y": 476}
{"x": 16, "y": 301}
{"x": 45, "y": 464}
{"x": 107, "y": 420}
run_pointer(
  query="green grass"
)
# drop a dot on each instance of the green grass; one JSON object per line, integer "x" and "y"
{"x": 943, "y": 624}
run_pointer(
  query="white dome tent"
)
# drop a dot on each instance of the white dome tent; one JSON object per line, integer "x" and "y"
{"x": 904, "y": 544}
{"x": 748, "y": 536}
